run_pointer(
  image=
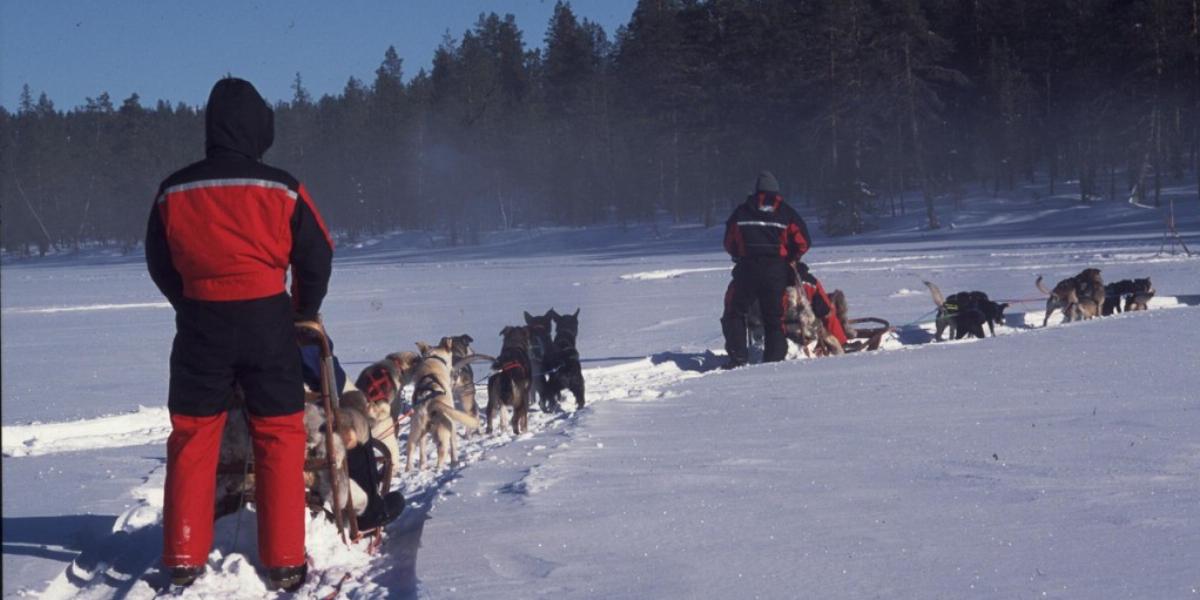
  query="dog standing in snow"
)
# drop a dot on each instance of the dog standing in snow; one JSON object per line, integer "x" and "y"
{"x": 433, "y": 406}
{"x": 540, "y": 347}
{"x": 566, "y": 372}
{"x": 1078, "y": 296}
{"x": 965, "y": 313}
{"x": 464, "y": 375}
{"x": 510, "y": 385}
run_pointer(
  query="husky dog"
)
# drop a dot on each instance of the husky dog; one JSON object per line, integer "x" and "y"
{"x": 379, "y": 385}
{"x": 379, "y": 420}
{"x": 464, "y": 375}
{"x": 965, "y": 313}
{"x": 566, "y": 372}
{"x": 1077, "y": 296}
{"x": 406, "y": 362}
{"x": 540, "y": 347}
{"x": 433, "y": 406}
{"x": 1091, "y": 293}
{"x": 1114, "y": 294}
{"x": 1143, "y": 291}
{"x": 379, "y": 382}
{"x": 510, "y": 385}
{"x": 318, "y": 480}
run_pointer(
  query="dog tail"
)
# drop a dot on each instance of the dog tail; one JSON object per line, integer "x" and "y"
{"x": 1041, "y": 287}
{"x": 469, "y": 421}
{"x": 468, "y": 359}
{"x": 938, "y": 298}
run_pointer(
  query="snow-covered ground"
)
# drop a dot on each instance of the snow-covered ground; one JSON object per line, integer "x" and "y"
{"x": 1042, "y": 463}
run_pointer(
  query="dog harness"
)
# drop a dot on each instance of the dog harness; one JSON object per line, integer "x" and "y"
{"x": 426, "y": 389}
{"x": 379, "y": 386}
{"x": 512, "y": 365}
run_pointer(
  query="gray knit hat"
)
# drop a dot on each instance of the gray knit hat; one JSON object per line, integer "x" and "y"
{"x": 766, "y": 183}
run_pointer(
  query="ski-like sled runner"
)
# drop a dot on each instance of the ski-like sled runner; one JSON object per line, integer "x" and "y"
{"x": 313, "y": 333}
{"x": 865, "y": 338}
{"x": 329, "y": 467}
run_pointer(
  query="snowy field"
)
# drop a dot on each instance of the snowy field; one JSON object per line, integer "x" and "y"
{"x": 1057, "y": 463}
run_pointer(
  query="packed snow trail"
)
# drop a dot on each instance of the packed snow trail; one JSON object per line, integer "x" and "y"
{"x": 152, "y": 425}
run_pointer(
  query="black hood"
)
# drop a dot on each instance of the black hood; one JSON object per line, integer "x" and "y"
{"x": 237, "y": 119}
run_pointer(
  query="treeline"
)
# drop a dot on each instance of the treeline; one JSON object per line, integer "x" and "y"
{"x": 853, "y": 104}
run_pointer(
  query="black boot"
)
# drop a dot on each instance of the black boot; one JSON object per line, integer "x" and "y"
{"x": 733, "y": 326}
{"x": 288, "y": 579}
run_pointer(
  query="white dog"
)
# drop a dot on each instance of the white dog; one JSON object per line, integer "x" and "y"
{"x": 433, "y": 406}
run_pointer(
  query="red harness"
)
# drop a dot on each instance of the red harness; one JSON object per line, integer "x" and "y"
{"x": 380, "y": 388}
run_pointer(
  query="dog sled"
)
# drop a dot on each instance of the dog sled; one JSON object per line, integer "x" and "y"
{"x": 333, "y": 467}
{"x": 816, "y": 336}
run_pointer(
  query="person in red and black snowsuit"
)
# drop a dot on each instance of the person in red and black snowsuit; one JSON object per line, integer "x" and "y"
{"x": 221, "y": 237}
{"x": 764, "y": 235}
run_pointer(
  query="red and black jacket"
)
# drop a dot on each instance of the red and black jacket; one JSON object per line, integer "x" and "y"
{"x": 228, "y": 227}
{"x": 764, "y": 225}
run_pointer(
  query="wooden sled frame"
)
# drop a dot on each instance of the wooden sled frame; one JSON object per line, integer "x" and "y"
{"x": 868, "y": 338}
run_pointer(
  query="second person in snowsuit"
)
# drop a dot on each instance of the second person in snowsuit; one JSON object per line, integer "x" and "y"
{"x": 764, "y": 236}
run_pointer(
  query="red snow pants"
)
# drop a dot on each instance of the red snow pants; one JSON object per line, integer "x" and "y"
{"x": 217, "y": 345}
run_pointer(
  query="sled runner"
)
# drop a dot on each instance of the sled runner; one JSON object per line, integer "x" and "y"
{"x": 313, "y": 333}
{"x": 866, "y": 338}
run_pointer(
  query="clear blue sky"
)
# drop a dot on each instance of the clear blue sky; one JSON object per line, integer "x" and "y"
{"x": 176, "y": 49}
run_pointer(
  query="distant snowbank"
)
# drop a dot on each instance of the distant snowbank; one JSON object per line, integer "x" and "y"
{"x": 668, "y": 273}
{"x": 46, "y": 310}
{"x": 146, "y": 426}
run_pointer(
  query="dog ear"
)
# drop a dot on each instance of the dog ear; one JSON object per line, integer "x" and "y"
{"x": 528, "y": 317}
{"x": 576, "y": 315}
{"x": 424, "y": 348}
{"x": 553, "y": 314}
{"x": 504, "y": 332}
